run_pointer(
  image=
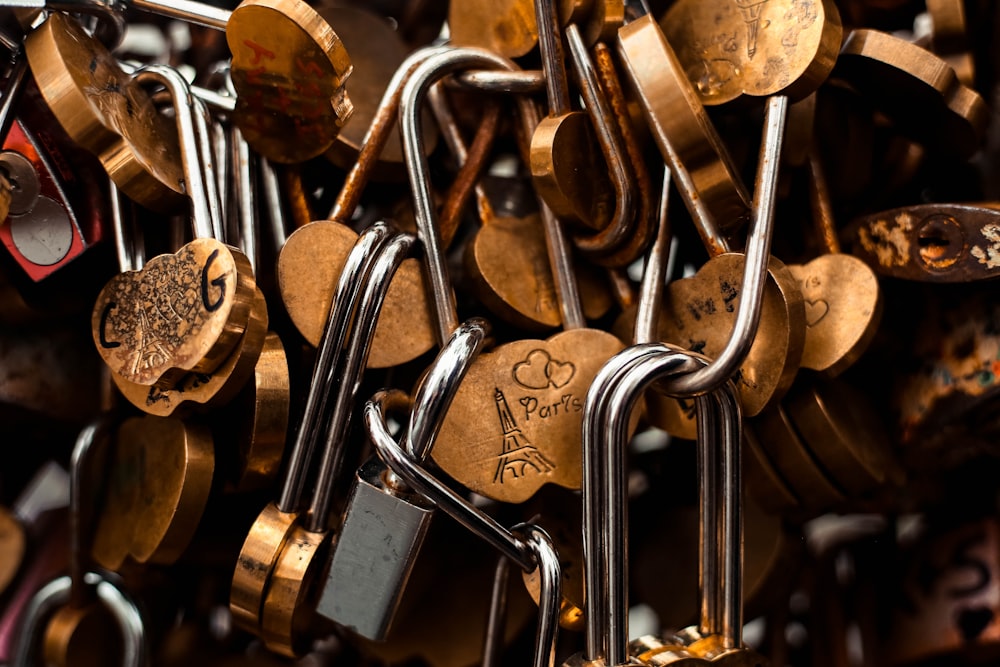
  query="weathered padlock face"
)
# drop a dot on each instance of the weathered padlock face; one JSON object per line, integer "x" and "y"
{"x": 377, "y": 544}
{"x": 136, "y": 144}
{"x": 182, "y": 312}
{"x": 289, "y": 70}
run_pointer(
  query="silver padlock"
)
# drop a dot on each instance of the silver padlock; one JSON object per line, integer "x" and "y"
{"x": 527, "y": 545}
{"x": 385, "y": 523}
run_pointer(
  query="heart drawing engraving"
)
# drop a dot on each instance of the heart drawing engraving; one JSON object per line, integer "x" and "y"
{"x": 539, "y": 370}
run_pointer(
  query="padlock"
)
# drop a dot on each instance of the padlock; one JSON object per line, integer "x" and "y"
{"x": 268, "y": 534}
{"x": 534, "y": 386}
{"x": 53, "y": 215}
{"x": 59, "y": 611}
{"x": 206, "y": 299}
{"x": 311, "y": 258}
{"x": 609, "y": 405}
{"x": 527, "y": 545}
{"x": 291, "y": 597}
{"x": 384, "y": 524}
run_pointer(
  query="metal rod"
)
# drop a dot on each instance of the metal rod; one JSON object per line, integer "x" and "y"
{"x": 411, "y": 103}
{"x": 347, "y": 381}
{"x": 198, "y": 13}
{"x": 758, "y": 252}
{"x": 647, "y": 315}
{"x": 553, "y": 60}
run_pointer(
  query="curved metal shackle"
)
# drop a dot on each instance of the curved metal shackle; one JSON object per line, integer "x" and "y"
{"x": 378, "y": 134}
{"x": 605, "y": 433}
{"x": 440, "y": 384}
{"x": 758, "y": 252}
{"x": 346, "y": 382}
{"x": 411, "y": 104}
{"x": 110, "y": 15}
{"x": 421, "y": 481}
{"x": 655, "y": 272}
{"x": 328, "y": 362}
{"x": 612, "y": 147}
{"x": 88, "y": 454}
{"x": 202, "y": 217}
{"x": 56, "y": 594}
{"x": 527, "y": 545}
{"x": 80, "y": 587}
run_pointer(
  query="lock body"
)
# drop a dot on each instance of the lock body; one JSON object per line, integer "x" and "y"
{"x": 374, "y": 554}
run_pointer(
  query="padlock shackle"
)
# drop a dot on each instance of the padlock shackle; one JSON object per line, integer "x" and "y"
{"x": 383, "y": 122}
{"x": 329, "y": 362}
{"x": 56, "y": 594}
{"x": 527, "y": 545}
{"x": 755, "y": 271}
{"x": 610, "y": 401}
{"x": 421, "y": 481}
{"x": 189, "y": 11}
{"x": 192, "y": 134}
{"x": 553, "y": 61}
{"x": 411, "y": 105}
{"x": 89, "y": 454}
{"x": 612, "y": 147}
{"x": 346, "y": 383}
{"x": 655, "y": 273}
{"x": 438, "y": 388}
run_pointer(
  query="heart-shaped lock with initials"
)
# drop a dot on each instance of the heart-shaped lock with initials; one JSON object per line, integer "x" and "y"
{"x": 519, "y": 411}
{"x": 182, "y": 312}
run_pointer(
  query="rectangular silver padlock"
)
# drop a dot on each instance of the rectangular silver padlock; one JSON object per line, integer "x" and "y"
{"x": 374, "y": 553}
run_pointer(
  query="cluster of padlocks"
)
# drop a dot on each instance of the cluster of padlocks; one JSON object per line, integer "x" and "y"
{"x": 439, "y": 334}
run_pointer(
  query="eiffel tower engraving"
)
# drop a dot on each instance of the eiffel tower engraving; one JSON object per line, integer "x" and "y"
{"x": 751, "y": 16}
{"x": 151, "y": 349}
{"x": 518, "y": 453}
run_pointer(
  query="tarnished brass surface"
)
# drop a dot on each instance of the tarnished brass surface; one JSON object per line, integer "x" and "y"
{"x": 678, "y": 121}
{"x": 918, "y": 90}
{"x": 255, "y": 425}
{"x": 13, "y": 543}
{"x": 843, "y": 309}
{"x": 506, "y": 26}
{"x": 508, "y": 265}
{"x": 846, "y": 434}
{"x": 515, "y": 422}
{"x": 212, "y": 389}
{"x": 813, "y": 485}
{"x": 754, "y": 47}
{"x": 183, "y": 312}
{"x": 309, "y": 266}
{"x": 291, "y": 596}
{"x": 256, "y": 562}
{"x": 86, "y": 636}
{"x": 289, "y": 68}
{"x": 106, "y": 112}
{"x": 173, "y": 463}
{"x": 699, "y": 313}
{"x": 569, "y": 171}
{"x": 377, "y": 50}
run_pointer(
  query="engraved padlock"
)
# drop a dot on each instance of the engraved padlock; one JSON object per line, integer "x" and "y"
{"x": 385, "y": 522}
